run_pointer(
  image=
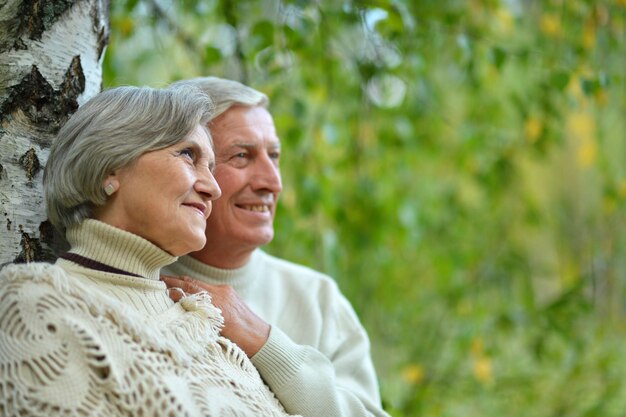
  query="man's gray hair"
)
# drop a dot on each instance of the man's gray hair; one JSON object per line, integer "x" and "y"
{"x": 225, "y": 93}
{"x": 110, "y": 132}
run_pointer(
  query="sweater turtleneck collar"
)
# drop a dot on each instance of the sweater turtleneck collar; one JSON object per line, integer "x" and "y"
{"x": 117, "y": 248}
{"x": 238, "y": 278}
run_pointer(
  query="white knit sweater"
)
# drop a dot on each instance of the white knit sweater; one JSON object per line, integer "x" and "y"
{"x": 317, "y": 358}
{"x": 75, "y": 341}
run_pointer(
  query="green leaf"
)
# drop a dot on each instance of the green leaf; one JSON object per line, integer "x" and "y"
{"x": 559, "y": 80}
{"x": 498, "y": 56}
{"x": 589, "y": 86}
{"x": 262, "y": 34}
{"x": 212, "y": 55}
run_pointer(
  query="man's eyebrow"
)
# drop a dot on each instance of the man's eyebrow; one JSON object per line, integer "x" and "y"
{"x": 249, "y": 145}
{"x": 242, "y": 145}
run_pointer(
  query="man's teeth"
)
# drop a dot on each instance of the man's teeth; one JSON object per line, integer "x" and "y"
{"x": 262, "y": 208}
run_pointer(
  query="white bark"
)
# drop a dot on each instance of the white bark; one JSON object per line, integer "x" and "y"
{"x": 50, "y": 62}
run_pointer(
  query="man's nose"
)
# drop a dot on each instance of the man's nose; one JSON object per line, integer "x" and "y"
{"x": 267, "y": 175}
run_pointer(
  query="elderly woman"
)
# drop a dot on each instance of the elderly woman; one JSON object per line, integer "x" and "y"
{"x": 129, "y": 179}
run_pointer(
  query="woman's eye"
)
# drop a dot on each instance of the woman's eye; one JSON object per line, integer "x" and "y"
{"x": 188, "y": 152}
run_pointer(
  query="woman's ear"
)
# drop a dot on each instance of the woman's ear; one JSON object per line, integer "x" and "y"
{"x": 110, "y": 184}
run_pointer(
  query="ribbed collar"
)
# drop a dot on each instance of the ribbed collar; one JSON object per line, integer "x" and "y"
{"x": 118, "y": 248}
{"x": 238, "y": 278}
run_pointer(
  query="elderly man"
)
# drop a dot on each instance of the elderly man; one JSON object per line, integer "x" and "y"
{"x": 300, "y": 332}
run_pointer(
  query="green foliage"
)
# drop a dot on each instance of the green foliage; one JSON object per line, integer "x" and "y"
{"x": 458, "y": 166}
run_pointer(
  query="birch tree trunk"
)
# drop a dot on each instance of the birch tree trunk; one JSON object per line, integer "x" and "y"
{"x": 50, "y": 62}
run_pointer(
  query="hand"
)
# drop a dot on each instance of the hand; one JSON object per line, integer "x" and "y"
{"x": 241, "y": 324}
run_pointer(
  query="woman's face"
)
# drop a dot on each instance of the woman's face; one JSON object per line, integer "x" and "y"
{"x": 165, "y": 195}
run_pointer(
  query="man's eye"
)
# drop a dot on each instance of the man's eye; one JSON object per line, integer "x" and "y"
{"x": 241, "y": 155}
{"x": 275, "y": 155}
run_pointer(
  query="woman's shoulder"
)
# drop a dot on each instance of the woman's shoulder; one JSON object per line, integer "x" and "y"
{"x": 34, "y": 293}
{"x": 33, "y": 271}
{"x": 27, "y": 283}
{"x": 43, "y": 294}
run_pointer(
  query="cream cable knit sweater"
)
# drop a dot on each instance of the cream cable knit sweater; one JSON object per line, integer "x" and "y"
{"x": 79, "y": 342}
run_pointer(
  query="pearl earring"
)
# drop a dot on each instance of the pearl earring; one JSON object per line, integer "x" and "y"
{"x": 109, "y": 189}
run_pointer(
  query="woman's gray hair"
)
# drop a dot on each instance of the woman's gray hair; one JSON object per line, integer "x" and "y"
{"x": 225, "y": 93}
{"x": 110, "y": 132}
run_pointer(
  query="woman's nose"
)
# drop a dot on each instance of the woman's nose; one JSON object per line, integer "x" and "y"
{"x": 208, "y": 186}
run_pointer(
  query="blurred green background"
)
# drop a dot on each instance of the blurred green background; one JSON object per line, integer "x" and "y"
{"x": 458, "y": 166}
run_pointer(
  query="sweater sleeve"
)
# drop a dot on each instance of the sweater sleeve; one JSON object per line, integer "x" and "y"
{"x": 341, "y": 382}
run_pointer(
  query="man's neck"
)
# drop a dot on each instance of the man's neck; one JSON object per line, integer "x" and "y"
{"x": 224, "y": 258}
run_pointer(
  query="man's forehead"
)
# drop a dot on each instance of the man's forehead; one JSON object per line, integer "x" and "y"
{"x": 247, "y": 143}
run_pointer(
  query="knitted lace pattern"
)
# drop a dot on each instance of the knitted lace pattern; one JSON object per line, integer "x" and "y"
{"x": 67, "y": 351}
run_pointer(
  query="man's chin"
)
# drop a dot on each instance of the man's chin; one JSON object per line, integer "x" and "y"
{"x": 262, "y": 237}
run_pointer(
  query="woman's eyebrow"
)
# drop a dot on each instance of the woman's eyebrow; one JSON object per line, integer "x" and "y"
{"x": 193, "y": 144}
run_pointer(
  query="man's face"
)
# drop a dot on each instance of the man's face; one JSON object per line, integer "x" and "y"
{"x": 247, "y": 153}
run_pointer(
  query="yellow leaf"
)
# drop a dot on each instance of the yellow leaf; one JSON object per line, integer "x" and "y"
{"x": 551, "y": 25}
{"x": 413, "y": 374}
{"x": 483, "y": 370}
{"x": 609, "y": 205}
{"x": 581, "y": 125}
{"x": 589, "y": 36}
{"x": 533, "y": 128}
{"x": 576, "y": 90}
{"x": 583, "y": 129}
{"x": 601, "y": 97}
{"x": 126, "y": 25}
{"x": 570, "y": 272}
{"x": 587, "y": 153}
{"x": 621, "y": 189}
{"x": 504, "y": 20}
{"x": 477, "y": 347}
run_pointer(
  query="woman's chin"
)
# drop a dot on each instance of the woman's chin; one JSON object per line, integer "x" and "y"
{"x": 192, "y": 245}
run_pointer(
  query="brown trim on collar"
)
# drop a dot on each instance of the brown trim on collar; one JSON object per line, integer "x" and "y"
{"x": 91, "y": 264}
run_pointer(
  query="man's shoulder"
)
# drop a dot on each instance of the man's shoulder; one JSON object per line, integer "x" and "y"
{"x": 308, "y": 286}
{"x": 298, "y": 274}
{"x": 289, "y": 267}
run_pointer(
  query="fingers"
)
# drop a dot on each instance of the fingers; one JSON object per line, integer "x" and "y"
{"x": 241, "y": 324}
{"x": 181, "y": 286}
{"x": 175, "y": 293}
{"x": 177, "y": 279}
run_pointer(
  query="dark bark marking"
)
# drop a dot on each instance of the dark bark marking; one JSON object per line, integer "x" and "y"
{"x": 99, "y": 13}
{"x": 46, "y": 108}
{"x": 73, "y": 83}
{"x": 46, "y": 232}
{"x": 39, "y": 15}
{"x": 103, "y": 41}
{"x": 30, "y": 163}
{"x": 31, "y": 249}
